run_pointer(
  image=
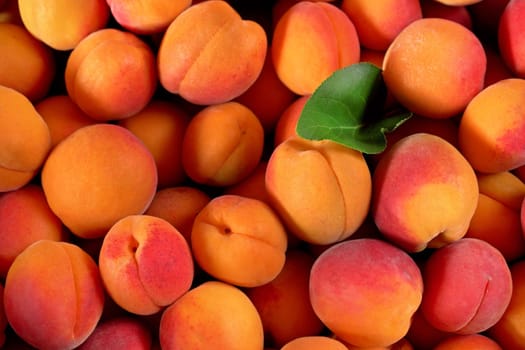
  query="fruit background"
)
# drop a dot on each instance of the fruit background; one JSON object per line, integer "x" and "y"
{"x": 155, "y": 192}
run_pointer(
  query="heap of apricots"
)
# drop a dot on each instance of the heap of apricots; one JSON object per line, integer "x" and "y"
{"x": 155, "y": 193}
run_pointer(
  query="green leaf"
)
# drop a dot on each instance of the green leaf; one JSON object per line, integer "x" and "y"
{"x": 348, "y": 108}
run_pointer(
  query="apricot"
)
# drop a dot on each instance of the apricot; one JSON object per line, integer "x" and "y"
{"x": 111, "y": 74}
{"x": 150, "y": 18}
{"x": 3, "y": 318}
{"x": 179, "y": 206}
{"x": 501, "y": 195}
{"x": 252, "y": 186}
{"x": 284, "y": 302}
{"x": 62, "y": 116}
{"x": 314, "y": 343}
{"x": 145, "y": 264}
{"x": 471, "y": 341}
{"x": 422, "y": 335}
{"x": 212, "y": 315}
{"x": 20, "y": 122}
{"x": 231, "y": 232}
{"x": 46, "y": 21}
{"x": 437, "y": 9}
{"x": 379, "y": 22}
{"x": 310, "y": 41}
{"x": 268, "y": 107}
{"x": 25, "y": 217}
{"x": 119, "y": 333}
{"x": 468, "y": 286}
{"x": 216, "y": 63}
{"x": 53, "y": 295}
{"x": 378, "y": 286}
{"x": 510, "y": 41}
{"x": 161, "y": 126}
{"x": 96, "y": 176}
{"x": 495, "y": 144}
{"x": 434, "y": 67}
{"x": 287, "y": 124}
{"x": 222, "y": 145}
{"x": 296, "y": 171}
{"x": 508, "y": 331}
{"x": 28, "y": 65}
{"x": 424, "y": 193}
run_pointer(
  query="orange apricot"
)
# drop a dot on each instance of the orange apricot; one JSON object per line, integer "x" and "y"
{"x": 287, "y": 124}
{"x": 62, "y": 116}
{"x": 46, "y": 21}
{"x": 161, "y": 126}
{"x": 222, "y": 145}
{"x": 311, "y": 40}
{"x": 284, "y": 302}
{"x": 179, "y": 206}
{"x": 53, "y": 295}
{"x": 28, "y": 65}
{"x": 379, "y": 22}
{"x": 232, "y": 231}
{"x": 96, "y": 176}
{"x": 20, "y": 122}
{"x": 492, "y": 126}
{"x": 314, "y": 343}
{"x": 150, "y": 18}
{"x": 434, "y": 67}
{"x": 216, "y": 63}
{"x": 213, "y": 315}
{"x": 471, "y": 341}
{"x": 111, "y": 74}
{"x": 252, "y": 186}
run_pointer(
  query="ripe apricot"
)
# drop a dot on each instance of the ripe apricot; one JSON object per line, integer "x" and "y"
{"x": 46, "y": 21}
{"x": 492, "y": 126}
{"x": 96, "y": 176}
{"x": 216, "y": 63}
{"x": 314, "y": 343}
{"x": 28, "y": 66}
{"x": 434, "y": 67}
{"x": 510, "y": 39}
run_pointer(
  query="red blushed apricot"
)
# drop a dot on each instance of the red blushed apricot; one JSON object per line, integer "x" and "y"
{"x": 501, "y": 195}
{"x": 46, "y": 21}
{"x": 111, "y": 74}
{"x": 298, "y": 168}
{"x": 161, "y": 126}
{"x": 145, "y": 264}
{"x": 434, "y": 67}
{"x": 119, "y": 333}
{"x": 379, "y": 22}
{"x": 267, "y": 107}
{"x": 231, "y": 232}
{"x": 287, "y": 124}
{"x": 213, "y": 315}
{"x": 311, "y": 41}
{"x": 27, "y": 65}
{"x": 26, "y": 218}
{"x": 218, "y": 62}
{"x": 53, "y": 295}
{"x": 424, "y": 193}
{"x": 284, "y": 303}
{"x": 62, "y": 116}
{"x": 510, "y": 39}
{"x": 20, "y": 122}
{"x": 314, "y": 343}
{"x": 378, "y": 286}
{"x": 96, "y": 176}
{"x": 471, "y": 341}
{"x": 456, "y": 13}
{"x": 222, "y": 144}
{"x": 508, "y": 331}
{"x": 179, "y": 206}
{"x": 492, "y": 126}
{"x": 152, "y": 17}
{"x": 468, "y": 286}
